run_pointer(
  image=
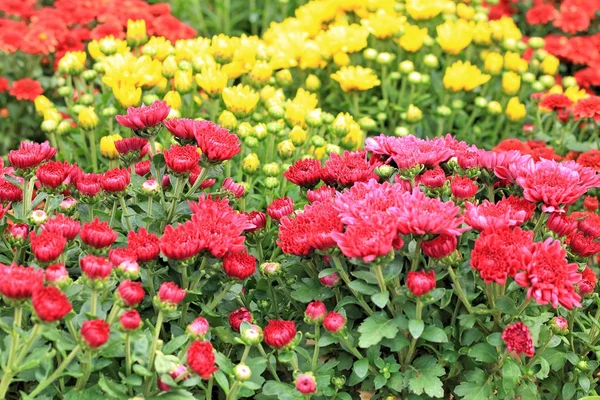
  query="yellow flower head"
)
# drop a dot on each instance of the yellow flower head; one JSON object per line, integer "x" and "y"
{"x": 424, "y": 9}
{"x": 505, "y": 28}
{"x": 296, "y": 109}
{"x": 128, "y": 95}
{"x": 493, "y": 63}
{"x": 227, "y": 120}
{"x": 72, "y": 63}
{"x": 515, "y": 110}
{"x": 298, "y": 136}
{"x": 482, "y": 33}
{"x": 108, "y": 148}
{"x": 108, "y": 45}
{"x": 550, "y": 65}
{"x": 250, "y": 163}
{"x": 183, "y": 81}
{"x": 261, "y": 73}
{"x": 381, "y": 24}
{"x": 311, "y": 56}
{"x": 212, "y": 80}
{"x": 511, "y": 83}
{"x": 453, "y": 37}
{"x": 136, "y": 32}
{"x": 413, "y": 38}
{"x": 127, "y": 70}
{"x": 575, "y": 94}
{"x": 240, "y": 99}
{"x": 341, "y": 59}
{"x": 42, "y": 103}
{"x": 87, "y": 118}
{"x": 158, "y": 48}
{"x": 343, "y": 38}
{"x": 465, "y": 12}
{"x": 222, "y": 48}
{"x": 464, "y": 76}
{"x": 173, "y": 99}
{"x": 52, "y": 114}
{"x": 356, "y": 78}
{"x": 354, "y": 138}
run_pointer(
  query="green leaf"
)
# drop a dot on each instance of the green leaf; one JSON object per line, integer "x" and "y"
{"x": 495, "y": 339}
{"x": 174, "y": 344}
{"x": 584, "y": 383}
{"x": 221, "y": 380}
{"x": 361, "y": 367}
{"x": 568, "y": 390}
{"x": 141, "y": 370}
{"x": 474, "y": 391}
{"x": 309, "y": 290}
{"x": 380, "y": 299}
{"x": 379, "y": 382}
{"x": 434, "y": 334}
{"x": 511, "y": 373}
{"x": 396, "y": 382}
{"x": 506, "y": 305}
{"x": 362, "y": 287}
{"x": 377, "y": 327}
{"x": 416, "y": 327}
{"x": 484, "y": 352}
{"x": 424, "y": 377}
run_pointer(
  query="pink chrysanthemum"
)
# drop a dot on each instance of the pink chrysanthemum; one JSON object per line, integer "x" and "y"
{"x": 409, "y": 151}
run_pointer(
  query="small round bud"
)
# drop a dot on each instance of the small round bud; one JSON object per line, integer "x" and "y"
{"x": 87, "y": 99}
{"x": 89, "y": 75}
{"x": 443, "y": 111}
{"x": 312, "y": 83}
{"x": 370, "y": 54}
{"x": 317, "y": 141}
{"x": 401, "y": 131}
{"x": 547, "y": 80}
{"x": 406, "y": 67}
{"x": 537, "y": 86}
{"x": 536, "y": 42}
{"x": 457, "y": 104}
{"x": 49, "y": 126}
{"x": 569, "y": 81}
{"x": 367, "y": 123}
{"x": 528, "y": 77}
{"x": 414, "y": 77}
{"x": 270, "y": 268}
{"x": 494, "y": 108}
{"x": 271, "y": 169}
{"x": 38, "y": 217}
{"x": 150, "y": 187}
{"x": 385, "y": 58}
{"x": 271, "y": 182}
{"x": 252, "y": 335}
{"x": 481, "y": 102}
{"x": 385, "y": 171}
{"x": 559, "y": 325}
{"x": 242, "y": 372}
{"x": 64, "y": 91}
{"x": 260, "y": 131}
{"x": 251, "y": 142}
{"x": 431, "y": 61}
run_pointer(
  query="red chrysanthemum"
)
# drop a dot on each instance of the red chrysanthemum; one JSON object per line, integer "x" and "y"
{"x": 95, "y": 333}
{"x": 587, "y": 108}
{"x": 583, "y": 245}
{"x": 18, "y": 282}
{"x": 30, "y": 155}
{"x": 588, "y": 281}
{"x": 590, "y": 159}
{"x": 131, "y": 292}
{"x": 145, "y": 244}
{"x": 182, "y": 159}
{"x": 139, "y": 118}
{"x": 420, "y": 282}
{"x": 561, "y": 224}
{"x": 493, "y": 215}
{"x": 47, "y": 246}
{"x": 541, "y": 14}
{"x": 518, "y": 339}
{"x": 590, "y": 203}
{"x": 170, "y": 293}
{"x": 235, "y": 189}
{"x": 88, "y": 185}
{"x": 217, "y": 144}
{"x": 115, "y": 180}
{"x": 132, "y": 144}
{"x": 440, "y": 247}
{"x": 50, "y": 304}
{"x": 321, "y": 194}
{"x": 347, "y": 169}
{"x": 53, "y": 173}
{"x": 26, "y": 89}
{"x": 180, "y": 243}
{"x": 94, "y": 267}
{"x": 130, "y": 320}
{"x": 257, "y": 219}
{"x": 304, "y": 172}
{"x": 56, "y": 274}
{"x": 238, "y": 316}
{"x": 279, "y": 333}
{"x": 183, "y": 129}
{"x": 571, "y": 19}
{"x": 334, "y": 322}
{"x": 315, "y": 312}
{"x": 201, "y": 359}
{"x": 239, "y": 265}
{"x": 98, "y": 234}
{"x": 280, "y": 207}
{"x": 555, "y": 101}
{"x": 463, "y": 187}
{"x": 432, "y": 178}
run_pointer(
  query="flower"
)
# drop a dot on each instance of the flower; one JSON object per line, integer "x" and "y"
{"x": 30, "y": 155}
{"x": 453, "y": 37}
{"x": 176, "y": 372}
{"x": 548, "y": 276}
{"x": 117, "y": 256}
{"x": 588, "y": 281}
{"x": 230, "y": 186}
{"x": 518, "y": 339}
{"x": 541, "y": 14}
{"x": 142, "y": 168}
{"x": 330, "y": 280}
{"x": 145, "y": 244}
{"x": 238, "y": 316}
{"x": 181, "y": 159}
{"x": 463, "y": 187}
{"x": 18, "y": 282}
{"x": 334, "y": 322}
{"x": 515, "y": 110}
{"x": 590, "y": 203}
{"x": 420, "y": 282}
{"x": 304, "y": 172}
{"x": 170, "y": 293}
{"x": 130, "y": 320}
{"x": 321, "y": 194}
{"x": 50, "y": 304}
{"x": 570, "y": 19}
{"x": 26, "y": 89}
{"x": 56, "y": 274}
{"x": 98, "y": 234}
{"x": 115, "y": 180}
{"x": 240, "y": 100}
{"x": 198, "y": 328}
{"x": 315, "y": 312}
{"x": 108, "y": 148}
{"x": 583, "y": 245}
{"x": 555, "y": 101}
{"x": 409, "y": 151}
{"x": 134, "y": 145}
{"x": 559, "y": 325}
{"x": 217, "y": 144}
{"x": 52, "y": 174}
{"x": 279, "y": 333}
{"x": 95, "y": 333}
{"x": 463, "y": 76}
{"x": 183, "y": 129}
{"x": 347, "y": 169}
{"x": 180, "y": 243}
{"x": 306, "y": 383}
{"x": 587, "y": 108}
{"x": 87, "y": 118}
{"x": 280, "y": 207}
{"x": 493, "y": 215}
{"x": 143, "y": 117}
{"x": 130, "y": 293}
{"x": 561, "y": 224}
{"x": 88, "y": 184}
{"x": 356, "y": 78}
{"x": 95, "y": 267}
{"x": 201, "y": 359}
{"x": 239, "y": 265}
{"x": 47, "y": 246}
{"x": 440, "y": 247}
{"x": 590, "y": 224}
{"x": 432, "y": 178}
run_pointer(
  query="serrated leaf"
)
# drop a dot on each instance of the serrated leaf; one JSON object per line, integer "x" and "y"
{"x": 379, "y": 382}
{"x": 174, "y": 344}
{"x": 434, "y": 334}
{"x": 362, "y": 287}
{"x": 396, "y": 382}
{"x": 380, "y": 299}
{"x": 511, "y": 373}
{"x": 377, "y": 327}
{"x": 474, "y": 391}
{"x": 309, "y": 290}
{"x": 506, "y": 305}
{"x": 484, "y": 352}
{"x": 425, "y": 377}
{"x": 361, "y": 367}
{"x": 416, "y": 327}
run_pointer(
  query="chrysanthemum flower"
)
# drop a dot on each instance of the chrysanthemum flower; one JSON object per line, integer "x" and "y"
{"x": 517, "y": 338}
{"x": 356, "y": 78}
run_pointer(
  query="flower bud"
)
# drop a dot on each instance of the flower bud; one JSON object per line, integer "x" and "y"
{"x": 421, "y": 282}
{"x": 370, "y": 54}
{"x": 414, "y": 77}
{"x": 306, "y": 383}
{"x": 271, "y": 182}
{"x": 298, "y": 136}
{"x": 251, "y": 142}
{"x": 169, "y": 67}
{"x": 367, "y": 123}
{"x": 334, "y": 322}
{"x": 63, "y": 127}
{"x": 271, "y": 169}
{"x": 65, "y": 91}
{"x": 242, "y": 372}
{"x": 406, "y": 67}
{"x": 38, "y": 217}
{"x": 283, "y": 77}
{"x": 270, "y": 268}
{"x": 559, "y": 325}
{"x": 385, "y": 171}
{"x": 313, "y": 118}
{"x": 547, "y": 80}
{"x": 150, "y": 187}
{"x": 68, "y": 205}
{"x": 198, "y": 328}
{"x": 87, "y": 118}
{"x": 260, "y": 131}
{"x": 401, "y": 131}
{"x": 286, "y": 149}
{"x": 250, "y": 164}
{"x": 385, "y": 58}
{"x": 414, "y": 114}
{"x": 252, "y": 335}
{"x": 315, "y": 313}
{"x": 494, "y": 108}
{"x": 536, "y": 42}
{"x": 431, "y": 61}
{"x": 330, "y": 280}
{"x": 49, "y": 126}
{"x": 228, "y": 120}
{"x": 312, "y": 83}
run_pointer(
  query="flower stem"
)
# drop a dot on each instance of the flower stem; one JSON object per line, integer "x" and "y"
{"x": 128, "y": 355}
{"x": 124, "y": 210}
{"x": 459, "y": 290}
{"x": 92, "y": 138}
{"x": 114, "y": 311}
{"x": 86, "y": 367}
{"x": 28, "y": 185}
{"x": 9, "y": 373}
{"x": 220, "y": 296}
{"x": 416, "y": 257}
{"x": 65, "y": 363}
{"x": 338, "y": 265}
{"x": 413, "y": 342}
{"x": 261, "y": 349}
{"x": 94, "y": 302}
{"x": 316, "y": 350}
{"x": 157, "y": 329}
{"x": 201, "y": 178}
{"x": 179, "y": 184}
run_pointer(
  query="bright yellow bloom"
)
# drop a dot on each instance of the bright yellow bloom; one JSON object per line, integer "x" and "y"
{"x": 296, "y": 109}
{"x": 464, "y": 76}
{"x": 353, "y": 140}
{"x": 136, "y": 32}
{"x": 465, "y": 12}
{"x": 343, "y": 38}
{"x": 108, "y": 148}
{"x": 512, "y": 61}
{"x": 414, "y": 113}
{"x": 356, "y": 78}
{"x": 87, "y": 118}
{"x": 298, "y": 136}
{"x": 341, "y": 59}
{"x": 173, "y": 99}
{"x": 158, "y": 48}
{"x": 234, "y": 69}
{"x": 413, "y": 38}
{"x": 42, "y": 103}
{"x": 453, "y": 37}
{"x": 227, "y": 120}
{"x": 482, "y": 33}
{"x": 169, "y": 67}
{"x": 108, "y": 45}
{"x": 493, "y": 63}
{"x": 72, "y": 63}
{"x": 222, "y": 48}
{"x": 575, "y": 94}
{"x": 261, "y": 73}
{"x": 511, "y": 83}
{"x": 424, "y": 9}
{"x": 212, "y": 80}
{"x": 505, "y": 28}
{"x": 240, "y": 99}
{"x": 129, "y": 70}
{"x": 381, "y": 24}
{"x": 128, "y": 95}
{"x": 183, "y": 81}
{"x": 550, "y": 65}
{"x": 311, "y": 56}
{"x": 515, "y": 110}
{"x": 52, "y": 114}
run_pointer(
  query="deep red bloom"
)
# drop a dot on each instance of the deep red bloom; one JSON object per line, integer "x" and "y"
{"x": 95, "y": 332}
{"x": 279, "y": 333}
{"x": 131, "y": 292}
{"x": 590, "y": 159}
{"x": 217, "y": 144}
{"x": 132, "y": 144}
{"x": 561, "y": 224}
{"x": 62, "y": 225}
{"x": 170, "y": 293}
{"x": 98, "y": 234}
{"x": 53, "y": 173}
{"x": 590, "y": 203}
{"x": 181, "y": 159}
{"x": 440, "y": 247}
{"x": 590, "y": 225}
{"x": 334, "y": 322}
{"x": 420, "y": 282}
{"x": 583, "y": 245}
{"x": 518, "y": 339}
{"x": 315, "y": 312}
{"x": 239, "y": 265}
{"x": 321, "y": 194}
{"x": 281, "y": 207}
{"x": 432, "y": 178}
{"x": 145, "y": 245}
{"x": 304, "y": 172}
{"x": 182, "y": 128}
{"x": 256, "y": 218}
{"x": 115, "y": 180}
{"x": 18, "y": 282}
{"x": 541, "y": 14}
{"x": 201, "y": 359}
{"x": 130, "y": 320}
{"x": 198, "y": 328}
{"x": 9, "y": 192}
{"x": 587, "y": 108}
{"x": 50, "y": 304}
{"x": 555, "y": 101}
{"x": 463, "y": 187}
{"x": 30, "y": 154}
{"x": 588, "y": 281}
{"x": 47, "y": 246}
{"x": 88, "y": 184}
{"x": 142, "y": 168}
{"x": 347, "y": 169}
{"x": 4, "y": 84}
{"x": 139, "y": 118}
{"x": 26, "y": 89}
{"x": 306, "y": 384}
{"x": 571, "y": 19}
{"x": 56, "y": 274}
{"x": 95, "y": 267}
{"x": 548, "y": 276}
{"x": 238, "y": 316}
{"x": 180, "y": 243}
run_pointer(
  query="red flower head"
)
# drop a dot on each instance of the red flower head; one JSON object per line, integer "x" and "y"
{"x": 488, "y": 215}
{"x": 9, "y": 192}
{"x": 145, "y": 245}
{"x": 239, "y": 265}
{"x": 18, "y": 282}
{"x": 587, "y": 108}
{"x": 432, "y": 178}
{"x": 321, "y": 194}
{"x": 518, "y": 339}
{"x": 143, "y": 117}
{"x": 201, "y": 359}
{"x": 131, "y": 293}
{"x": 48, "y": 246}
{"x": 330, "y": 280}
{"x": 257, "y": 219}
{"x": 217, "y": 144}
{"x": 198, "y": 328}
{"x": 306, "y": 383}
{"x": 115, "y": 180}
{"x": 590, "y": 225}
{"x": 170, "y": 293}
{"x": 62, "y": 225}
{"x": 304, "y": 172}
{"x": 117, "y": 256}
{"x": 420, "y": 282}
{"x": 279, "y": 333}
{"x": 440, "y": 247}
{"x": 95, "y": 333}
{"x": 583, "y": 245}
{"x": 571, "y": 19}
{"x": 26, "y": 89}
{"x": 176, "y": 371}
{"x": 142, "y": 168}
{"x": 541, "y": 14}
{"x": 315, "y": 312}
{"x": 130, "y": 320}
{"x": 88, "y": 185}
{"x": 561, "y": 224}
{"x": 463, "y": 188}
{"x": 30, "y": 155}
{"x": 56, "y": 274}
{"x": 281, "y": 207}
{"x": 182, "y": 159}
{"x": 95, "y": 267}
{"x": 348, "y": 169}
{"x": 183, "y": 129}
{"x": 334, "y": 322}
{"x": 50, "y": 304}
{"x": 98, "y": 234}
{"x": 590, "y": 203}
{"x": 230, "y": 186}
{"x": 132, "y": 144}
{"x": 53, "y": 173}
{"x": 555, "y": 101}
{"x": 18, "y": 232}
{"x": 237, "y": 317}
{"x": 4, "y": 84}
{"x": 588, "y": 281}
{"x": 590, "y": 159}
{"x": 181, "y": 243}
{"x": 548, "y": 276}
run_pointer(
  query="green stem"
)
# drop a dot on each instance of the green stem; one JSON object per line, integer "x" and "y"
{"x": 94, "y": 301}
{"x": 522, "y": 308}
{"x": 316, "y": 350}
{"x": 65, "y": 363}
{"x": 539, "y": 352}
{"x": 153, "y": 348}
{"x": 220, "y": 296}
{"x": 94, "y": 154}
{"x": 201, "y": 178}
{"x": 459, "y": 290}
{"x": 86, "y": 367}
{"x": 274, "y": 298}
{"x": 539, "y": 224}
{"x": 9, "y": 373}
{"x": 261, "y": 349}
{"x": 127, "y": 355}
{"x": 28, "y": 185}
{"x": 112, "y": 214}
{"x": 113, "y": 313}
{"x": 209, "y": 387}
{"x": 232, "y": 394}
{"x": 416, "y": 256}
{"x": 124, "y": 211}
{"x": 338, "y": 265}
{"x": 413, "y": 342}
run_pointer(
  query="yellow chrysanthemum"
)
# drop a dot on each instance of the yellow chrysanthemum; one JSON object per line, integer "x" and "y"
{"x": 464, "y": 11}
{"x": 511, "y": 83}
{"x": 382, "y": 25}
{"x": 108, "y": 148}
{"x": 296, "y": 109}
{"x": 42, "y": 103}
{"x": 240, "y": 99}
{"x": 493, "y": 63}
{"x": 128, "y": 95}
{"x": 515, "y": 110}
{"x": 512, "y": 61}
{"x": 343, "y": 38}
{"x": 183, "y": 81}
{"x": 505, "y": 28}
{"x": 356, "y": 78}
{"x": 311, "y": 56}
{"x": 261, "y": 73}
{"x": 212, "y": 80}
{"x": 87, "y": 118}
{"x": 173, "y": 99}
{"x": 482, "y": 33}
{"x": 453, "y": 37}
{"x": 127, "y": 69}
{"x": 424, "y": 9}
{"x": 158, "y": 48}
{"x": 550, "y": 65}
{"x": 413, "y": 38}
{"x": 575, "y": 94}
{"x": 464, "y": 76}
{"x": 136, "y": 32}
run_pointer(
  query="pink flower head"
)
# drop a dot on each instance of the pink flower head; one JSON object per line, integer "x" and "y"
{"x": 170, "y": 293}
{"x": 143, "y": 117}
{"x": 304, "y": 172}
{"x": 321, "y": 194}
{"x": 440, "y": 247}
{"x": 432, "y": 178}
{"x": 62, "y": 225}
{"x": 230, "y": 186}
{"x": 518, "y": 339}
{"x": 281, "y": 207}
{"x": 505, "y": 164}
{"x": 334, "y": 322}
{"x": 410, "y": 151}
{"x": 217, "y": 144}
{"x": 492, "y": 215}
{"x": 561, "y": 223}
{"x": 347, "y": 169}
{"x": 315, "y": 312}
{"x": 463, "y": 187}
{"x": 306, "y": 384}
{"x": 181, "y": 243}
{"x": 183, "y": 129}
{"x": 30, "y": 155}
{"x": 198, "y": 328}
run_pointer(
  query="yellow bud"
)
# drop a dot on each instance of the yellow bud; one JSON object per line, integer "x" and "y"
{"x": 493, "y": 63}
{"x": 87, "y": 118}
{"x": 465, "y": 12}
{"x": 169, "y": 67}
{"x": 414, "y": 113}
{"x": 173, "y": 99}
{"x": 128, "y": 95}
{"x": 42, "y": 103}
{"x": 250, "y": 164}
{"x": 286, "y": 149}
{"x": 136, "y": 32}
{"x": 341, "y": 59}
{"x": 515, "y": 110}
{"x": 313, "y": 83}
{"x": 298, "y": 136}
{"x": 261, "y": 73}
{"x": 183, "y": 81}
{"x": 228, "y": 120}
{"x": 550, "y": 65}
{"x": 107, "y": 146}
{"x": 511, "y": 83}
{"x": 284, "y": 77}
{"x": 52, "y": 114}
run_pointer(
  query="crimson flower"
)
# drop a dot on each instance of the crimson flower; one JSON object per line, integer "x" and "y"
{"x": 142, "y": 168}
{"x": 217, "y": 144}
{"x": 180, "y": 243}
{"x": 239, "y": 265}
{"x": 95, "y": 267}
{"x": 115, "y": 180}
{"x": 143, "y": 117}
{"x": 131, "y": 292}
{"x": 440, "y": 247}
{"x": 9, "y": 192}
{"x": 330, "y": 280}
{"x": 347, "y": 169}
{"x": 321, "y": 194}
{"x": 201, "y": 359}
{"x": 315, "y": 312}
{"x": 98, "y": 234}
{"x": 280, "y": 207}
{"x": 420, "y": 282}
{"x": 555, "y": 101}
{"x": 279, "y": 333}
{"x": 432, "y": 178}
{"x": 588, "y": 281}
{"x": 117, "y": 256}
{"x": 561, "y": 223}
{"x": 583, "y": 245}
{"x": 62, "y": 225}
{"x": 50, "y": 304}
{"x": 26, "y": 89}
{"x": 181, "y": 159}
{"x": 18, "y": 282}
{"x": 493, "y": 215}
{"x": 129, "y": 145}
{"x": 47, "y": 246}
{"x": 95, "y": 333}
{"x": 53, "y": 173}
{"x": 587, "y": 108}
{"x": 306, "y": 384}
{"x": 590, "y": 203}
{"x": 238, "y": 316}
{"x": 234, "y": 188}
{"x": 130, "y": 320}
{"x": 30, "y": 155}
{"x": 257, "y": 219}
{"x": 145, "y": 245}
{"x": 88, "y": 185}
{"x": 304, "y": 172}
{"x": 183, "y": 129}
{"x": 518, "y": 339}
{"x": 541, "y": 14}
{"x": 334, "y": 322}
{"x": 56, "y": 274}
{"x": 170, "y": 293}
